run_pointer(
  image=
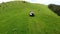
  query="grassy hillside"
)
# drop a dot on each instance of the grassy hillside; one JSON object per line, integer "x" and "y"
{"x": 15, "y": 19}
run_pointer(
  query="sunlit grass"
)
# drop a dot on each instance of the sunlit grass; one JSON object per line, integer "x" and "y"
{"x": 15, "y": 19}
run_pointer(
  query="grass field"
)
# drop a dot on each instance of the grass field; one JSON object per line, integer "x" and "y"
{"x": 15, "y": 19}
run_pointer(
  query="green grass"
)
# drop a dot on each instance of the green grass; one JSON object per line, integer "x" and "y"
{"x": 15, "y": 19}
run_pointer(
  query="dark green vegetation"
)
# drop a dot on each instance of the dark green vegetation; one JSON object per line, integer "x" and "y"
{"x": 15, "y": 19}
{"x": 55, "y": 8}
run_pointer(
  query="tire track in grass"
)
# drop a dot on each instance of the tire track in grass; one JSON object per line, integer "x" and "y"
{"x": 32, "y": 26}
{"x": 30, "y": 29}
{"x": 15, "y": 32}
{"x": 35, "y": 26}
{"x": 39, "y": 25}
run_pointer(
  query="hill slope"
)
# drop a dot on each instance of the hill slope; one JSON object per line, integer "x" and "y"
{"x": 15, "y": 19}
